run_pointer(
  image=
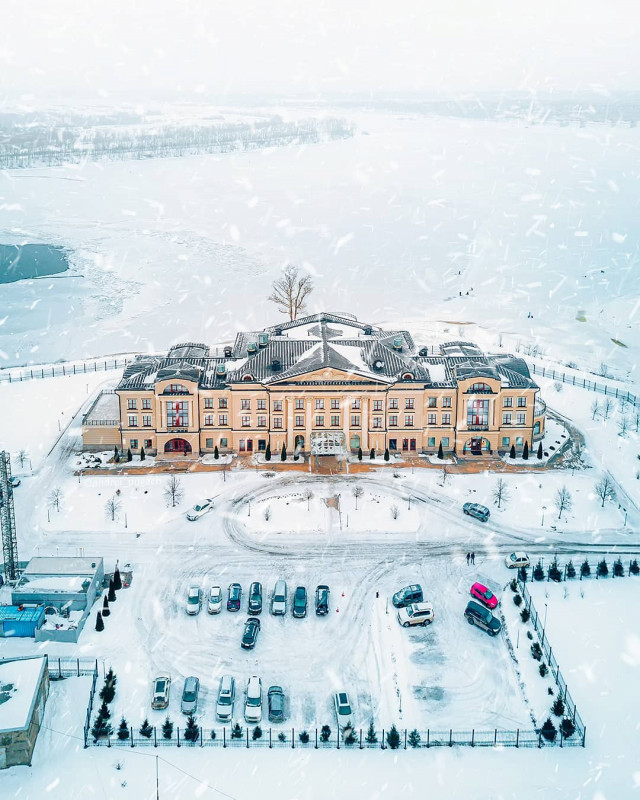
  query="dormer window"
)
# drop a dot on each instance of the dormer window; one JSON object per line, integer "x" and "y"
{"x": 480, "y": 388}
{"x": 176, "y": 388}
{"x": 407, "y": 376}
{"x": 247, "y": 378}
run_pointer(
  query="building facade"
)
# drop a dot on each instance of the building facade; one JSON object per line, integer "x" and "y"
{"x": 316, "y": 384}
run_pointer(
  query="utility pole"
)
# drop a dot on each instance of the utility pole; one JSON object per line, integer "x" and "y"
{"x": 8, "y": 520}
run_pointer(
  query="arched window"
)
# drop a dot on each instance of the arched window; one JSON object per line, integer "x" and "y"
{"x": 480, "y": 387}
{"x": 176, "y": 388}
{"x": 407, "y": 376}
{"x": 247, "y": 377}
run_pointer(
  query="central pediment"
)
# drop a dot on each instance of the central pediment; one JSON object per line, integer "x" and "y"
{"x": 331, "y": 375}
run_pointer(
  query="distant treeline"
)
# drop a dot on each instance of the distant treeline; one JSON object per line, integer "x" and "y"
{"x": 53, "y": 145}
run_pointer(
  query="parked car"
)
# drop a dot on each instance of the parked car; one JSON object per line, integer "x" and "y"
{"x": 199, "y": 510}
{"x": 234, "y": 598}
{"x": 408, "y": 595}
{"x": 482, "y": 618}
{"x": 15, "y": 482}
{"x": 299, "y": 606}
{"x": 476, "y": 510}
{"x": 416, "y": 614}
{"x": 279, "y": 599}
{"x": 214, "y": 606}
{"x": 343, "y": 708}
{"x": 253, "y": 700}
{"x": 226, "y": 697}
{"x": 160, "y": 692}
{"x": 255, "y": 598}
{"x": 516, "y": 560}
{"x": 194, "y": 600}
{"x": 250, "y": 635}
{"x": 275, "y": 696}
{"x": 189, "y": 704}
{"x": 322, "y": 600}
{"x": 484, "y": 596}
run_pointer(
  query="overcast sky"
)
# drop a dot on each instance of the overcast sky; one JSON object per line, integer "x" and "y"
{"x": 106, "y": 50}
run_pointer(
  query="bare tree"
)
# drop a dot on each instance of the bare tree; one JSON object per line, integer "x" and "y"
{"x": 112, "y": 508}
{"x": 595, "y": 409}
{"x": 500, "y": 492}
{"x": 395, "y": 511}
{"x": 291, "y": 291}
{"x": 173, "y": 491}
{"x": 56, "y": 496}
{"x": 308, "y": 494}
{"x": 563, "y": 501}
{"x": 623, "y": 425}
{"x": 23, "y": 457}
{"x": 358, "y": 491}
{"x": 606, "y": 408}
{"x": 605, "y": 489}
{"x": 604, "y": 370}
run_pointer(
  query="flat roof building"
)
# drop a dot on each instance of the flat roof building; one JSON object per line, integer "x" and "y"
{"x": 24, "y": 688}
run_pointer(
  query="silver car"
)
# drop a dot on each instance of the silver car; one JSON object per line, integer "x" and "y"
{"x": 190, "y": 692}
{"x": 226, "y": 696}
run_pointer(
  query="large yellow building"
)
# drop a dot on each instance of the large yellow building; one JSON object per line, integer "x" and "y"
{"x": 322, "y": 384}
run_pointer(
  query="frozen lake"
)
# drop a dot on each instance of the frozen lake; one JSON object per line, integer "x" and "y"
{"x": 400, "y": 221}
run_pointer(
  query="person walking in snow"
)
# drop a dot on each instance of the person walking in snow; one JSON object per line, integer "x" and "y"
{"x": 473, "y": 558}
{"x": 468, "y": 557}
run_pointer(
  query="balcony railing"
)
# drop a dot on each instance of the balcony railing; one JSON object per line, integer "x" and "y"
{"x": 477, "y": 427}
{"x": 539, "y": 408}
{"x": 103, "y": 423}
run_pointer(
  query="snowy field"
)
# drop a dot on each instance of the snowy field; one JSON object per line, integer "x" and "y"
{"x": 418, "y": 207}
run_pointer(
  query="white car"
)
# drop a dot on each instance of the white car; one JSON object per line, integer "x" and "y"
{"x": 194, "y": 600}
{"x": 160, "y": 692}
{"x": 343, "y": 708}
{"x": 516, "y": 560}
{"x": 253, "y": 700}
{"x": 416, "y": 614}
{"x": 214, "y": 606}
{"x": 199, "y": 509}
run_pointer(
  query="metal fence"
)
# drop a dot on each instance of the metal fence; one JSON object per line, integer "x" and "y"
{"x": 63, "y": 667}
{"x": 292, "y": 739}
{"x": 583, "y": 383}
{"x": 58, "y": 370}
{"x": 584, "y": 569}
{"x": 570, "y": 706}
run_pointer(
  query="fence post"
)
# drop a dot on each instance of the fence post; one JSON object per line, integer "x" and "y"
{"x": 382, "y": 740}
{"x": 155, "y": 737}
{"x": 108, "y": 740}
{"x": 316, "y": 737}
{"x": 495, "y": 736}
{"x": 201, "y": 743}
{"x": 540, "y": 738}
{"x": 473, "y": 736}
{"x": 450, "y": 737}
{"x": 131, "y": 732}
{"x": 178, "y": 734}
{"x": 78, "y": 666}
{"x": 293, "y": 739}
{"x": 247, "y": 737}
{"x": 561, "y": 736}
{"x": 584, "y": 735}
{"x": 405, "y": 738}
{"x": 427, "y": 737}
{"x": 338, "y": 738}
{"x": 224, "y": 738}
{"x": 518, "y": 738}
{"x": 361, "y": 739}
{"x": 59, "y": 669}
{"x": 271, "y": 746}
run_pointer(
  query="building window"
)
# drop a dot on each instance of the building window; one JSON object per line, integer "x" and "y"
{"x": 393, "y": 420}
{"x": 508, "y": 402}
{"x": 445, "y": 441}
{"x": 245, "y": 421}
{"x": 409, "y": 402}
{"x": 277, "y": 422}
{"x": 133, "y": 443}
{"x": 355, "y": 420}
{"x": 377, "y": 422}
{"x": 277, "y": 405}
{"x": 262, "y": 405}
{"x": 433, "y": 402}
{"x": 262, "y": 445}
{"x": 377, "y": 405}
{"x": 521, "y": 419}
{"x": 319, "y": 403}
{"x": 446, "y": 419}
{"x": 245, "y": 405}
{"x": 208, "y": 402}
{"x": 355, "y": 405}
{"x": 335, "y": 403}
{"x": 131, "y": 405}
{"x": 146, "y": 404}
{"x": 176, "y": 388}
{"x": 536, "y": 428}
{"x": 335, "y": 420}
{"x": 208, "y": 419}
{"x": 249, "y": 445}
{"x": 223, "y": 419}
{"x": 178, "y": 414}
{"x": 431, "y": 441}
{"x": 506, "y": 419}
{"x": 146, "y": 420}
{"x": 408, "y": 420}
{"x": 319, "y": 421}
{"x": 393, "y": 403}
{"x": 223, "y": 442}
{"x": 477, "y": 413}
{"x": 148, "y": 443}
{"x": 242, "y": 445}
{"x": 393, "y": 444}
{"x": 299, "y": 405}
{"x": 299, "y": 420}
{"x": 431, "y": 419}
{"x": 262, "y": 421}
{"x": 222, "y": 402}
{"x": 483, "y": 388}
{"x": 522, "y": 402}
{"x": 133, "y": 421}
{"x": 446, "y": 402}
{"x": 506, "y": 441}
{"x": 519, "y": 441}
{"x": 208, "y": 443}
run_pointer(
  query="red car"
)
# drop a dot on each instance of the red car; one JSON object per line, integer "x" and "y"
{"x": 481, "y": 593}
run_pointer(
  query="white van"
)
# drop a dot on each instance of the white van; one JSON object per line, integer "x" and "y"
{"x": 279, "y": 599}
{"x": 226, "y": 696}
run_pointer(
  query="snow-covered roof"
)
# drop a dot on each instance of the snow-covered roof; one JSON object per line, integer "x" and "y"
{"x": 19, "y": 682}
{"x": 62, "y": 565}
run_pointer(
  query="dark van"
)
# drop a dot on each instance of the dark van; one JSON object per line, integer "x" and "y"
{"x": 408, "y": 595}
